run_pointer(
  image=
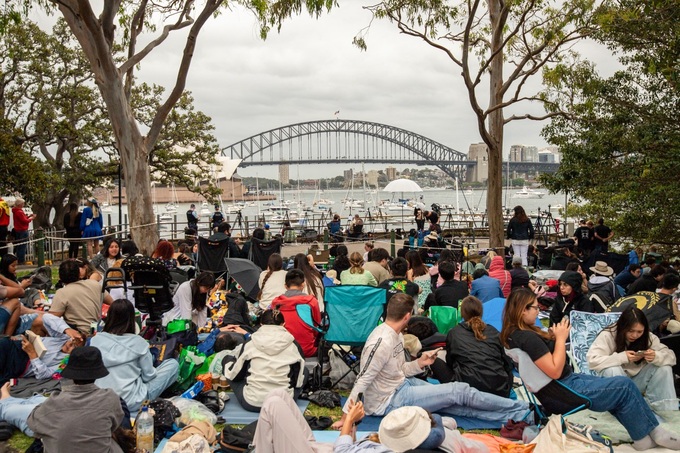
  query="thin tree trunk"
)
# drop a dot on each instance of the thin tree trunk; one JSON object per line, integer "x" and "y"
{"x": 494, "y": 203}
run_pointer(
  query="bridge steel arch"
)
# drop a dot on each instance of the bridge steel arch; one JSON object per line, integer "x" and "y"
{"x": 269, "y": 148}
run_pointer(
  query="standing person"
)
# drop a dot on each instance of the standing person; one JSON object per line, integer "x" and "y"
{"x": 217, "y": 218}
{"x": 584, "y": 236}
{"x": 520, "y": 231}
{"x": 628, "y": 348}
{"x": 420, "y": 218}
{"x": 616, "y": 395}
{"x": 128, "y": 359}
{"x": 21, "y": 223}
{"x": 602, "y": 234}
{"x": 192, "y": 218}
{"x": 4, "y": 225}
{"x": 73, "y": 231}
{"x": 91, "y": 225}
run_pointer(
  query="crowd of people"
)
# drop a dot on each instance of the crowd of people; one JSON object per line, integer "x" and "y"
{"x": 92, "y": 337}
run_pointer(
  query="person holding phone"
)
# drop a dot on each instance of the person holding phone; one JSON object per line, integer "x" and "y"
{"x": 628, "y": 348}
{"x": 388, "y": 383}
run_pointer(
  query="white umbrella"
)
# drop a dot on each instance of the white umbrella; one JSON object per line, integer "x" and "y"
{"x": 402, "y": 185}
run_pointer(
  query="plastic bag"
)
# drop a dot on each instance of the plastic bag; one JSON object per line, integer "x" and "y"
{"x": 192, "y": 410}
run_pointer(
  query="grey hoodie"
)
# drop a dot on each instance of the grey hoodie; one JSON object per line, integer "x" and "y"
{"x": 268, "y": 357}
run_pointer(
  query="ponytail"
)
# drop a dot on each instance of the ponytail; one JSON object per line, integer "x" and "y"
{"x": 477, "y": 326}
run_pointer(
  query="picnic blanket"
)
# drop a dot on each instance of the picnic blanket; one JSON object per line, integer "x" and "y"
{"x": 235, "y": 414}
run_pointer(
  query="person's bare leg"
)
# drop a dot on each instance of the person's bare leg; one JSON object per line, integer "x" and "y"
{"x": 38, "y": 327}
{"x": 13, "y": 305}
{"x": 4, "y": 391}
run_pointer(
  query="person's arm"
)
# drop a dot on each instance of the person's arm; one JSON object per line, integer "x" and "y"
{"x": 36, "y": 365}
{"x": 371, "y": 281}
{"x": 9, "y": 283}
{"x": 552, "y": 364}
{"x": 510, "y": 229}
{"x": 531, "y": 230}
{"x": 108, "y": 300}
{"x": 184, "y": 298}
{"x": 602, "y": 355}
{"x": 148, "y": 372}
{"x": 56, "y": 327}
{"x": 659, "y": 354}
{"x": 13, "y": 291}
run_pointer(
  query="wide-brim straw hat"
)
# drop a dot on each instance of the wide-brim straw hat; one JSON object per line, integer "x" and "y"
{"x": 601, "y": 268}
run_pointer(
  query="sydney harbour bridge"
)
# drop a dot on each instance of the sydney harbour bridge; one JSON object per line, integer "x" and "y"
{"x": 339, "y": 141}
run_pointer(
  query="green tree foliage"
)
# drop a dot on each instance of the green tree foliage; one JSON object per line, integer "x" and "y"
{"x": 54, "y": 112}
{"x": 497, "y": 47}
{"x": 620, "y": 142}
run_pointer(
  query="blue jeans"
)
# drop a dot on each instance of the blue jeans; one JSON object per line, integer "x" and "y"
{"x": 654, "y": 382}
{"x": 620, "y": 397}
{"x": 166, "y": 374}
{"x": 20, "y": 245}
{"x": 457, "y": 399}
{"x": 17, "y": 410}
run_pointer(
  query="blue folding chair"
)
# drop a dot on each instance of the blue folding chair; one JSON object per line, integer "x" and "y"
{"x": 352, "y": 312}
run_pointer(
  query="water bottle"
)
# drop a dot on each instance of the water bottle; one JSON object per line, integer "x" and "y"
{"x": 145, "y": 431}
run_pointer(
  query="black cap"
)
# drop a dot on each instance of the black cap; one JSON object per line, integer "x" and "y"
{"x": 85, "y": 364}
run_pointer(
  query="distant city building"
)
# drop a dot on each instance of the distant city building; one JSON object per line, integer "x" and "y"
{"x": 391, "y": 173}
{"x": 479, "y": 173}
{"x": 555, "y": 150}
{"x": 372, "y": 178}
{"x": 523, "y": 153}
{"x": 546, "y": 157}
{"x": 284, "y": 173}
{"x": 349, "y": 176}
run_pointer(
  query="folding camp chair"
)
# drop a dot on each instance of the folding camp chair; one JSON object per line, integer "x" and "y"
{"x": 585, "y": 327}
{"x": 444, "y": 317}
{"x": 260, "y": 251}
{"x": 151, "y": 285}
{"x": 211, "y": 255}
{"x": 555, "y": 397}
{"x": 352, "y": 312}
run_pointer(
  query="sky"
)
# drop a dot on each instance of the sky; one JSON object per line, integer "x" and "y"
{"x": 311, "y": 69}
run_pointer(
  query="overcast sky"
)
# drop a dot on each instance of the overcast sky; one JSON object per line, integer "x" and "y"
{"x": 310, "y": 70}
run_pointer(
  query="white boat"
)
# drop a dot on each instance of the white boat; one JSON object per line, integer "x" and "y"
{"x": 166, "y": 216}
{"x": 174, "y": 204}
{"x": 468, "y": 192}
{"x": 205, "y": 208}
{"x": 526, "y": 192}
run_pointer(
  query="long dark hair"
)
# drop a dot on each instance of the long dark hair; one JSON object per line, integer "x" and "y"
{"x": 198, "y": 299}
{"x": 313, "y": 277}
{"x": 105, "y": 250}
{"x": 72, "y": 214}
{"x": 274, "y": 263}
{"x": 520, "y": 215}
{"x": 416, "y": 263}
{"x": 629, "y": 317}
{"x": 518, "y": 301}
{"x": 120, "y": 318}
{"x": 5, "y": 262}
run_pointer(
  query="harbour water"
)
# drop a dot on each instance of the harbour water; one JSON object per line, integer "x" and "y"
{"x": 313, "y": 209}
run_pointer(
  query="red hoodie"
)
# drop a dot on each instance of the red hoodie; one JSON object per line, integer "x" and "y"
{"x": 497, "y": 271}
{"x": 303, "y": 334}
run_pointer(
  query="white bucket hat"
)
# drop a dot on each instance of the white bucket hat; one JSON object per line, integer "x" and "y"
{"x": 405, "y": 428}
{"x": 601, "y": 268}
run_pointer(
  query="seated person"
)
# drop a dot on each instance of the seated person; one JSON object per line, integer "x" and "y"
{"x": 356, "y": 226}
{"x": 387, "y": 383}
{"x": 484, "y": 287}
{"x": 270, "y": 360}
{"x": 286, "y": 303}
{"x": 377, "y": 264}
{"x": 451, "y": 291}
{"x": 563, "y": 256}
{"x": 519, "y": 275}
{"x": 569, "y": 297}
{"x": 648, "y": 281}
{"x": 628, "y": 276}
{"x": 8, "y": 277}
{"x": 617, "y": 395}
{"x": 165, "y": 252}
{"x": 283, "y": 428}
{"x": 191, "y": 300}
{"x": 398, "y": 283}
{"x": 128, "y": 359}
{"x": 475, "y": 355}
{"x": 83, "y": 417}
{"x": 19, "y": 359}
{"x": 356, "y": 274}
{"x": 79, "y": 302}
{"x": 497, "y": 271}
{"x": 628, "y": 348}
{"x": 10, "y": 308}
{"x": 272, "y": 282}
{"x": 334, "y": 226}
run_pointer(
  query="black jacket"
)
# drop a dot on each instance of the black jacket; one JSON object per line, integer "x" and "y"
{"x": 520, "y": 231}
{"x": 645, "y": 282}
{"x": 448, "y": 294}
{"x": 480, "y": 363}
{"x": 579, "y": 303}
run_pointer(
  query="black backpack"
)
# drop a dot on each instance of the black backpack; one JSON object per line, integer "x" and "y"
{"x": 235, "y": 440}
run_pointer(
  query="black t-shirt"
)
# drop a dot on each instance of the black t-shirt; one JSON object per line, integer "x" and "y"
{"x": 535, "y": 346}
{"x": 603, "y": 231}
{"x": 433, "y": 217}
{"x": 584, "y": 237}
{"x": 400, "y": 285}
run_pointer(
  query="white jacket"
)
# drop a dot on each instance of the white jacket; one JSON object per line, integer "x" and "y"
{"x": 602, "y": 354}
{"x": 383, "y": 370}
{"x": 268, "y": 359}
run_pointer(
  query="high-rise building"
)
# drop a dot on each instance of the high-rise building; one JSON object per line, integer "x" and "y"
{"x": 391, "y": 173}
{"x": 479, "y": 173}
{"x": 284, "y": 173}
